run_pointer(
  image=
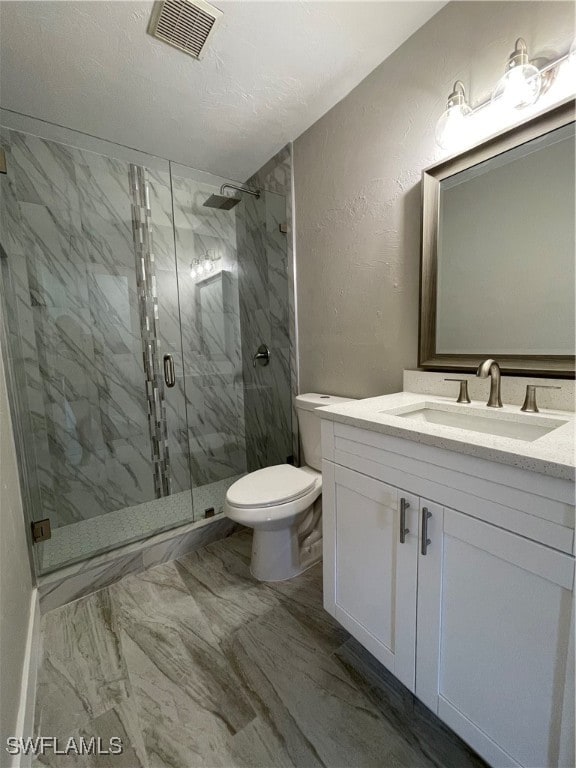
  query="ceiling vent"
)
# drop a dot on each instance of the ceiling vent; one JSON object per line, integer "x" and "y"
{"x": 184, "y": 24}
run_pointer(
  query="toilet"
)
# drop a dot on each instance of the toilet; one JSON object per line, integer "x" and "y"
{"x": 283, "y": 503}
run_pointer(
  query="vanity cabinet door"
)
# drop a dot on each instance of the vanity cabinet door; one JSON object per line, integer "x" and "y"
{"x": 495, "y": 640}
{"x": 370, "y": 575}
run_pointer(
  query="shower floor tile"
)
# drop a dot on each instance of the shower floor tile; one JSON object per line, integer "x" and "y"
{"x": 82, "y": 540}
{"x": 195, "y": 663}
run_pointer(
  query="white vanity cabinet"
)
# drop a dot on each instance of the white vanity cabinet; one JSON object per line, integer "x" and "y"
{"x": 495, "y": 640}
{"x": 373, "y": 575}
{"x": 478, "y": 623}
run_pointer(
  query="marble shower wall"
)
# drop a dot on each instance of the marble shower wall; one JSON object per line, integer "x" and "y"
{"x": 67, "y": 231}
{"x": 211, "y": 376}
{"x": 267, "y": 314}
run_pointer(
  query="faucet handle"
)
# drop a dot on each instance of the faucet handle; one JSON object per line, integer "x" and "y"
{"x": 529, "y": 404}
{"x": 463, "y": 396}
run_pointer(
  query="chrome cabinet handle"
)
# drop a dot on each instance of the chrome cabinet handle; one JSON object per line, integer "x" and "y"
{"x": 169, "y": 373}
{"x": 404, "y": 505}
{"x": 426, "y": 515}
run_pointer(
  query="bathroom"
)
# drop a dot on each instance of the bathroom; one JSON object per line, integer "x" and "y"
{"x": 246, "y": 521}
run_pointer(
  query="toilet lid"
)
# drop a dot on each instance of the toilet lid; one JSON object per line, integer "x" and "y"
{"x": 270, "y": 486}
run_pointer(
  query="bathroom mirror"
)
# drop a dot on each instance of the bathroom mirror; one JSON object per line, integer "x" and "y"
{"x": 498, "y": 262}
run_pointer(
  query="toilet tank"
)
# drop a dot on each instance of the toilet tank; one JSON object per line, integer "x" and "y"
{"x": 309, "y": 425}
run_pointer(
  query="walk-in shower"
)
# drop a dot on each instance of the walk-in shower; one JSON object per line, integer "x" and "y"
{"x": 132, "y": 310}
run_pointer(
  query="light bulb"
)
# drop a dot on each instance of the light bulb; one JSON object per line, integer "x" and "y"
{"x": 521, "y": 84}
{"x": 452, "y": 127}
{"x": 564, "y": 81}
{"x": 569, "y": 67}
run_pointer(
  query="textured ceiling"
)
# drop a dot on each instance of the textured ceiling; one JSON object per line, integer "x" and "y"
{"x": 270, "y": 71}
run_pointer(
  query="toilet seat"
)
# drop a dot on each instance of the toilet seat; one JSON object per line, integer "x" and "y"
{"x": 283, "y": 504}
{"x": 305, "y": 488}
{"x": 270, "y": 486}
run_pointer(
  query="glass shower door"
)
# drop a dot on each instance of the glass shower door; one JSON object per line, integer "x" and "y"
{"x": 233, "y": 284}
{"x": 90, "y": 252}
{"x": 207, "y": 265}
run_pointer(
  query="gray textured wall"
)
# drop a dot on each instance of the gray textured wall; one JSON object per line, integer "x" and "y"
{"x": 357, "y": 173}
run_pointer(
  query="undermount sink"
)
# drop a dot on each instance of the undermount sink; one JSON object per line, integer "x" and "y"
{"x": 521, "y": 427}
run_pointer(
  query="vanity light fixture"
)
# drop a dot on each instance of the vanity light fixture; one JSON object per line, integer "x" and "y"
{"x": 521, "y": 84}
{"x": 451, "y": 127}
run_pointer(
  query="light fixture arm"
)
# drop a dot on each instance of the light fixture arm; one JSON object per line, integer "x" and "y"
{"x": 519, "y": 55}
{"x": 458, "y": 95}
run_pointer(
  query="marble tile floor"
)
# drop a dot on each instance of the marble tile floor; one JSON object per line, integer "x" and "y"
{"x": 78, "y": 541}
{"x": 194, "y": 663}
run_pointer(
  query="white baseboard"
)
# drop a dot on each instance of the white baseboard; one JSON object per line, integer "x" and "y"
{"x": 25, "y": 719}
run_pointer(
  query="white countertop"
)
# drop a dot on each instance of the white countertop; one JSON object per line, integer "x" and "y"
{"x": 552, "y": 454}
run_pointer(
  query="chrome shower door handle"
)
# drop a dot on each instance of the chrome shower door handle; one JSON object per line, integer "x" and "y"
{"x": 426, "y": 515}
{"x": 404, "y": 505}
{"x": 169, "y": 372}
{"x": 262, "y": 355}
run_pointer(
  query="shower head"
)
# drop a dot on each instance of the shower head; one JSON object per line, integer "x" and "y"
{"x": 223, "y": 202}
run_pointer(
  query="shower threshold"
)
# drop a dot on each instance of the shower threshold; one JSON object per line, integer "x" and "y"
{"x": 86, "y": 539}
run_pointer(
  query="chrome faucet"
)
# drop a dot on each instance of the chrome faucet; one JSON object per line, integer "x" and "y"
{"x": 491, "y": 368}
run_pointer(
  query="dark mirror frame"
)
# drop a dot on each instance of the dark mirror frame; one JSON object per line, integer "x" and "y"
{"x": 556, "y": 366}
